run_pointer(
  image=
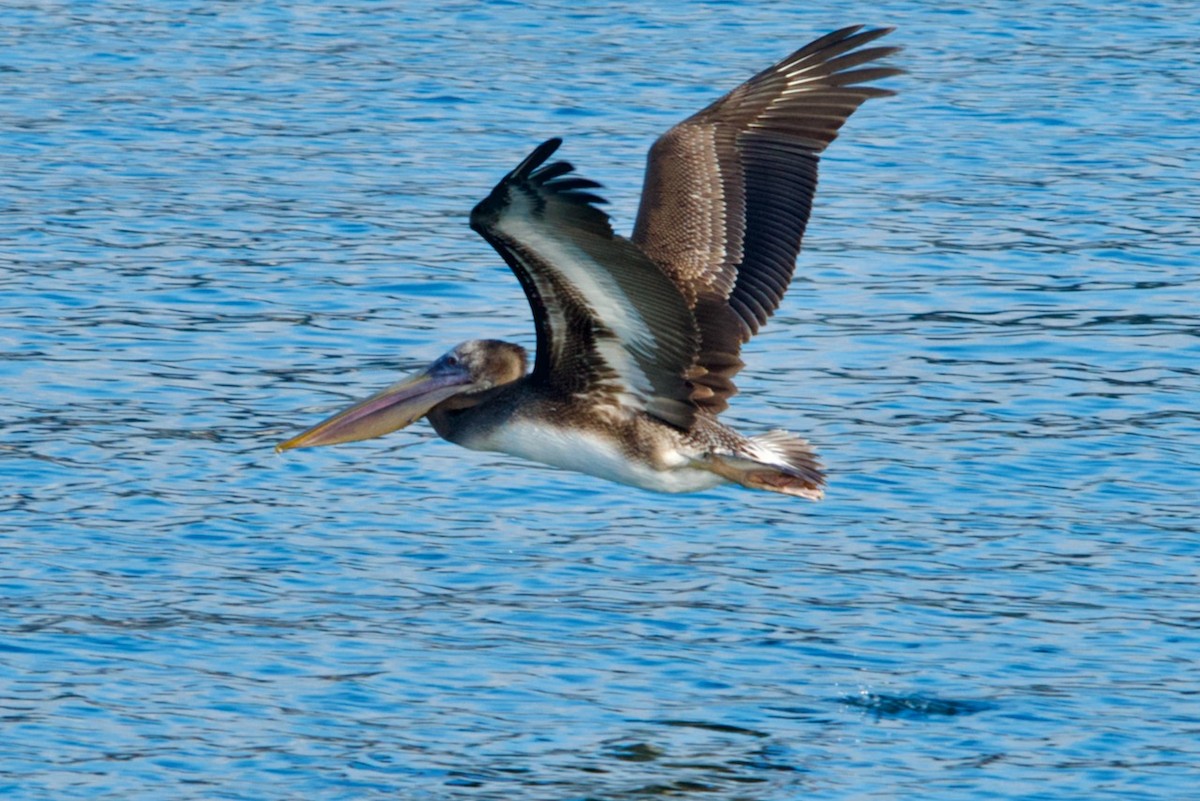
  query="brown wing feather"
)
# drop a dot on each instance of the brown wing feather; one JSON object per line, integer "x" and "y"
{"x": 728, "y": 193}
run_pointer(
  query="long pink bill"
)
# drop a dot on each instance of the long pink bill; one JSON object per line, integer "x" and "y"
{"x": 394, "y": 408}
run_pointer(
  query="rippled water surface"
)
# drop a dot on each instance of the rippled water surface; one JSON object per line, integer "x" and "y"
{"x": 223, "y": 220}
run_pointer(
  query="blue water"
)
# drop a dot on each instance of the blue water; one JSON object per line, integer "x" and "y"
{"x": 220, "y": 221}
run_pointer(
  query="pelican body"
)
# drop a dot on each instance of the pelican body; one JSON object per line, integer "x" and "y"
{"x": 638, "y": 338}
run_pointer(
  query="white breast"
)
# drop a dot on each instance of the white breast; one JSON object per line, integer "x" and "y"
{"x": 583, "y": 452}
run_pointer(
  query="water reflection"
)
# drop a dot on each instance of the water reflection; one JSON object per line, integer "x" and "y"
{"x": 219, "y": 221}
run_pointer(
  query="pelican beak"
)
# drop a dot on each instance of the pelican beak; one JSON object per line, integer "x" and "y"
{"x": 399, "y": 405}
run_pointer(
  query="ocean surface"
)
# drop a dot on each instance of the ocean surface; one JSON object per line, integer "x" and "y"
{"x": 220, "y": 221}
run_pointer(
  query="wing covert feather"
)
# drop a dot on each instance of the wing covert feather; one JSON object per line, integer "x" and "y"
{"x": 608, "y": 319}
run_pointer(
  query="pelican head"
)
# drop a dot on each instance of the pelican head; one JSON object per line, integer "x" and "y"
{"x": 456, "y": 379}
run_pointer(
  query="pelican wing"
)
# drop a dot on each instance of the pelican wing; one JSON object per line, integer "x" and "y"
{"x": 728, "y": 192}
{"x": 608, "y": 319}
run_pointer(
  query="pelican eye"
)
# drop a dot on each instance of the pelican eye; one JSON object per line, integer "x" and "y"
{"x": 452, "y": 361}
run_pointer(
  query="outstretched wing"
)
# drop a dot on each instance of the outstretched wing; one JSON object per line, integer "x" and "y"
{"x": 728, "y": 192}
{"x": 608, "y": 319}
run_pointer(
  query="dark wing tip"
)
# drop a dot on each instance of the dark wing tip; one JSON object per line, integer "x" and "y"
{"x": 839, "y": 50}
{"x": 855, "y": 34}
{"x": 542, "y": 181}
{"x": 534, "y": 170}
{"x": 536, "y": 159}
{"x": 843, "y": 39}
{"x": 573, "y": 189}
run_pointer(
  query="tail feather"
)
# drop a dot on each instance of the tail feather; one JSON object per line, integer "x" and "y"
{"x": 776, "y": 461}
{"x": 798, "y": 471}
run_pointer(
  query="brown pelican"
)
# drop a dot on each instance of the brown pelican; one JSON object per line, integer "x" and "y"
{"x": 638, "y": 338}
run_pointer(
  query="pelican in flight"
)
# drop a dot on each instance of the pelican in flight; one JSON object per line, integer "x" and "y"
{"x": 638, "y": 339}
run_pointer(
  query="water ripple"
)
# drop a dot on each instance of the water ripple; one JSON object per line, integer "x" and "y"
{"x": 219, "y": 224}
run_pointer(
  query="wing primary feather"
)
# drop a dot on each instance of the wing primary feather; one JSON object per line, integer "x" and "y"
{"x": 535, "y": 159}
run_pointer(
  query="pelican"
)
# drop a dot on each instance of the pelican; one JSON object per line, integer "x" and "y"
{"x": 638, "y": 338}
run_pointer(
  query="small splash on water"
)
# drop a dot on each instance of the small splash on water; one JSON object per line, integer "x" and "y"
{"x": 636, "y": 752}
{"x": 882, "y": 705}
{"x": 721, "y": 728}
